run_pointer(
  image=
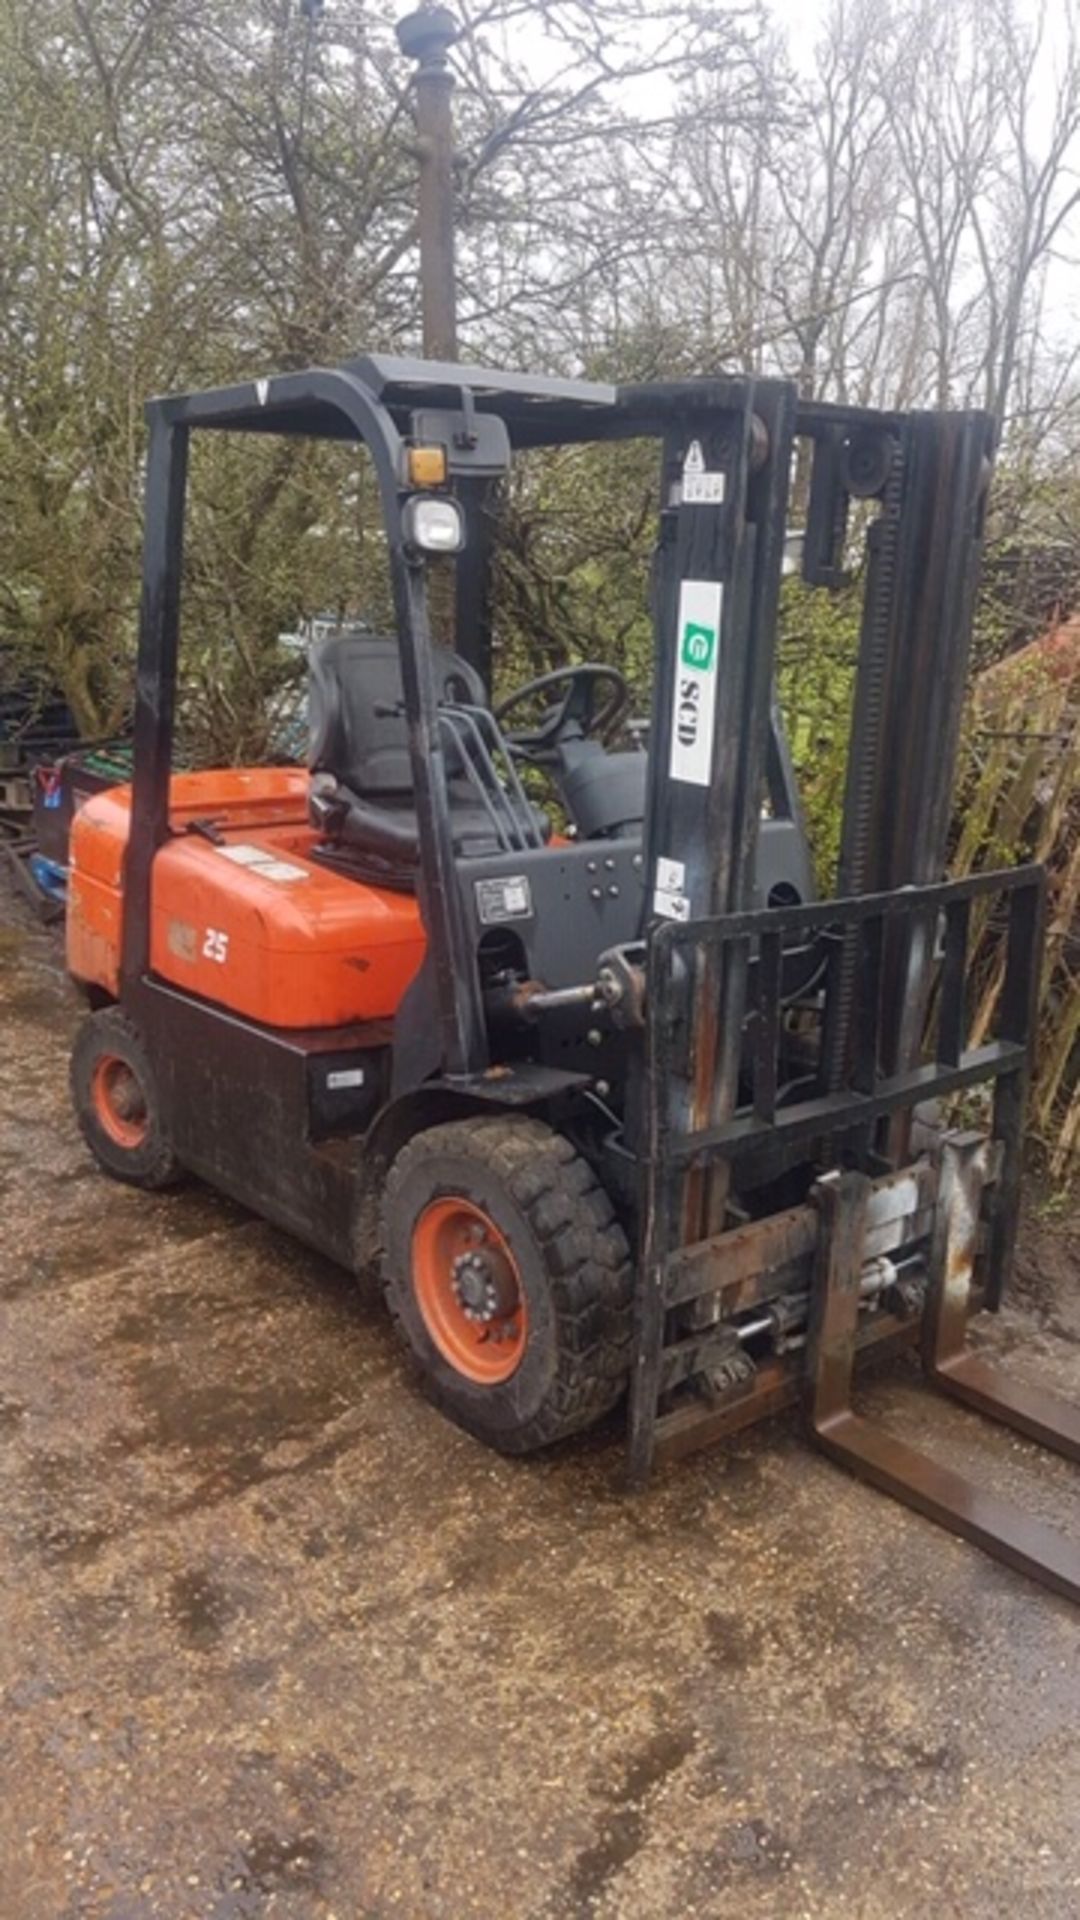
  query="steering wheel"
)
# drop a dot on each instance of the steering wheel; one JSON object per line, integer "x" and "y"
{"x": 579, "y": 707}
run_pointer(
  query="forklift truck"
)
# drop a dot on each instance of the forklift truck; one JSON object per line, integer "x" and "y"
{"x": 625, "y": 1110}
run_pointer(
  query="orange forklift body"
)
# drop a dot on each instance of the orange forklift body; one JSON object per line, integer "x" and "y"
{"x": 240, "y": 913}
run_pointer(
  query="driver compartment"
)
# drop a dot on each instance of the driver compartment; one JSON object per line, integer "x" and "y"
{"x": 363, "y": 800}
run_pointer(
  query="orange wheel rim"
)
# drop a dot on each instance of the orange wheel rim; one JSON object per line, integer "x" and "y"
{"x": 119, "y": 1102}
{"x": 469, "y": 1291}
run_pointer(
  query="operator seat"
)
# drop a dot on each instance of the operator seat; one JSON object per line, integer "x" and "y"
{"x": 362, "y": 796}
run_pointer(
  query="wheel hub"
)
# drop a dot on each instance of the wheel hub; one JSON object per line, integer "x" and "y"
{"x": 482, "y": 1293}
{"x": 469, "y": 1290}
{"x": 118, "y": 1101}
{"x": 126, "y": 1095}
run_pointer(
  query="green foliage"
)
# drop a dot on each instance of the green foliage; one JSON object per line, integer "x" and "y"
{"x": 817, "y": 646}
{"x": 575, "y": 542}
{"x": 276, "y": 532}
{"x": 1019, "y": 800}
{"x": 1031, "y": 564}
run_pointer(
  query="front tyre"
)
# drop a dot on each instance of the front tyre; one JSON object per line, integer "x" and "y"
{"x": 509, "y": 1278}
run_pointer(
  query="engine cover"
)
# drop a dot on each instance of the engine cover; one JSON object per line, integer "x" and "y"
{"x": 246, "y": 918}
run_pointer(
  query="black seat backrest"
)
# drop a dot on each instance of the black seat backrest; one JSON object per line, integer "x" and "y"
{"x": 357, "y": 729}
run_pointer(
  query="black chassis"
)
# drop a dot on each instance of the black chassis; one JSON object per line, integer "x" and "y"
{"x": 251, "y": 1108}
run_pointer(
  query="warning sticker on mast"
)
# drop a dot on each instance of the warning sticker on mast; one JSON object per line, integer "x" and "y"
{"x": 700, "y": 488}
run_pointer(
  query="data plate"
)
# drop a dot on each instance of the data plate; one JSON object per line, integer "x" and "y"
{"x": 509, "y": 897}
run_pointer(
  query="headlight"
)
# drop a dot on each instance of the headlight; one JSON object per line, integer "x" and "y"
{"x": 434, "y": 526}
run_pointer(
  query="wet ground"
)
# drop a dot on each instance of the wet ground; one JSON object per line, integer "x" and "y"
{"x": 275, "y": 1640}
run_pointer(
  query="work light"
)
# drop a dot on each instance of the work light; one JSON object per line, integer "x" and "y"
{"x": 434, "y": 526}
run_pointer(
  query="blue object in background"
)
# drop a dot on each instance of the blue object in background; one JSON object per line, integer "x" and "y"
{"x": 50, "y": 877}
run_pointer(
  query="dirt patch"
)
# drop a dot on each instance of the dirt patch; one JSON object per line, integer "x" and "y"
{"x": 1046, "y": 1272}
{"x": 275, "y": 1639}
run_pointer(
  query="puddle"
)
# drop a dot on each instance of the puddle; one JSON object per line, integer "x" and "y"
{"x": 185, "y": 1413}
{"x": 624, "y": 1832}
{"x": 200, "y": 1609}
{"x": 12, "y": 1413}
{"x": 270, "y": 1865}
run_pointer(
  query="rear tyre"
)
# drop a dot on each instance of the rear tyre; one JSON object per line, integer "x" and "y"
{"x": 116, "y": 1102}
{"x": 509, "y": 1278}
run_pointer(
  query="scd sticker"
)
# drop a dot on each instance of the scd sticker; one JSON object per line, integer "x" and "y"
{"x": 693, "y": 713}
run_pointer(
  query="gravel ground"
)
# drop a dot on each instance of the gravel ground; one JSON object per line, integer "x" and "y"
{"x": 276, "y": 1640}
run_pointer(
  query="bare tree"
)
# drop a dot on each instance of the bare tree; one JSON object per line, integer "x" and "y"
{"x": 1023, "y": 215}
